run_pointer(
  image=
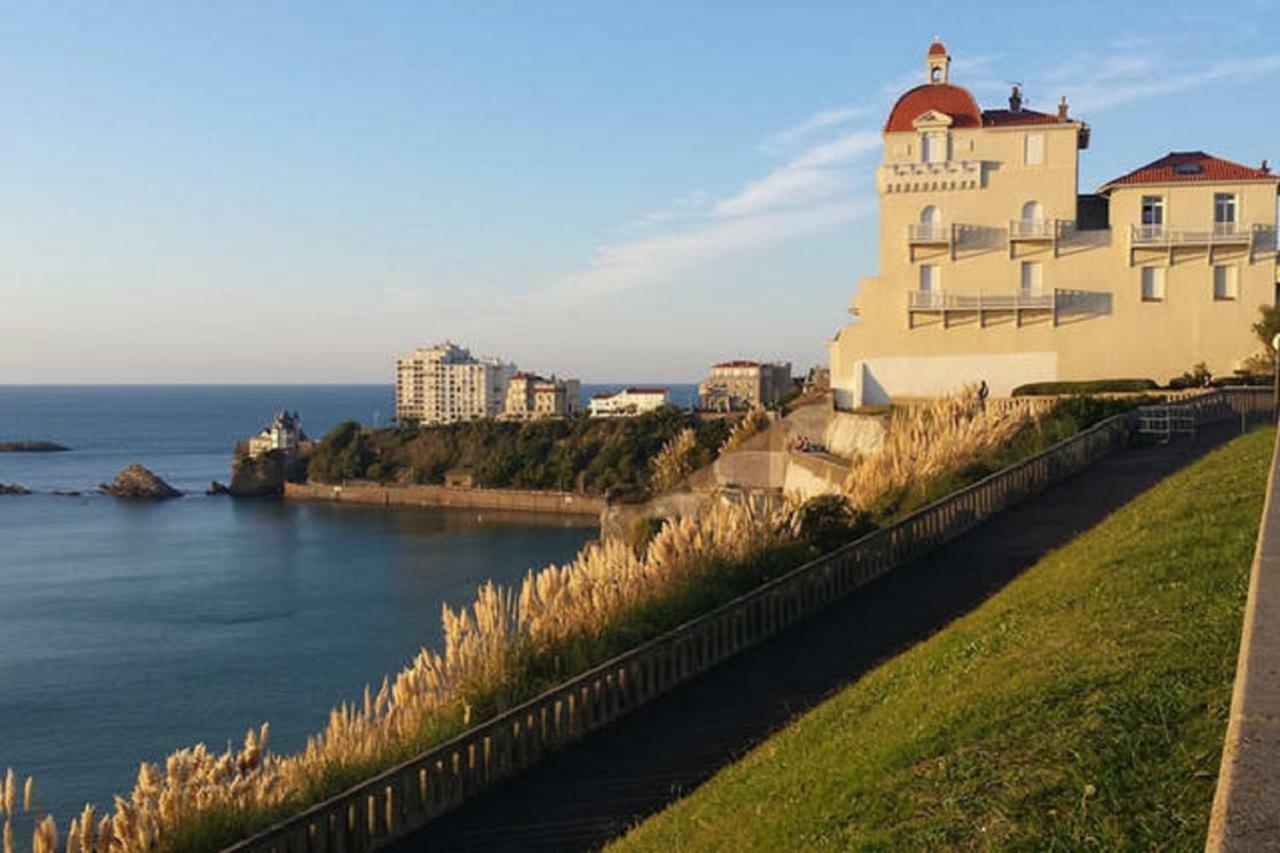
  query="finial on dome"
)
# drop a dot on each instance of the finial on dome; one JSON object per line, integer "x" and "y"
{"x": 937, "y": 61}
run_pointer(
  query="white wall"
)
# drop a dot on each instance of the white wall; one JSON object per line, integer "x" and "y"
{"x": 878, "y": 380}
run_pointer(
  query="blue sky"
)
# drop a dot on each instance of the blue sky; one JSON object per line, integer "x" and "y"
{"x": 297, "y": 192}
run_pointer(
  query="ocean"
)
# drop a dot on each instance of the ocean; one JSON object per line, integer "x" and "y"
{"x": 128, "y": 630}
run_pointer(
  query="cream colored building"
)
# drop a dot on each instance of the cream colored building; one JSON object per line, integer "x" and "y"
{"x": 446, "y": 384}
{"x": 628, "y": 402}
{"x": 993, "y": 267}
{"x": 530, "y": 396}
{"x": 744, "y": 384}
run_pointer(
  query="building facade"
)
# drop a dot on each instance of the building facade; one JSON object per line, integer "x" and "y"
{"x": 628, "y": 402}
{"x": 992, "y": 266}
{"x": 446, "y": 384}
{"x": 283, "y": 433}
{"x": 742, "y": 384}
{"x": 530, "y": 396}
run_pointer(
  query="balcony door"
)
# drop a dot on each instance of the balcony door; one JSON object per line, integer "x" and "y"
{"x": 930, "y": 280}
{"x": 1224, "y": 213}
{"x": 1032, "y": 212}
{"x": 1032, "y": 278}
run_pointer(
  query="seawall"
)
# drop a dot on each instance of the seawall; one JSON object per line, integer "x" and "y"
{"x": 518, "y": 500}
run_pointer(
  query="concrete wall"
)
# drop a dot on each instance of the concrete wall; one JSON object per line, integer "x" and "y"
{"x": 878, "y": 380}
{"x": 560, "y": 503}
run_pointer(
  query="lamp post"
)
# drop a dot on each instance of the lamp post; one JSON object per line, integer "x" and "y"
{"x": 1275, "y": 388}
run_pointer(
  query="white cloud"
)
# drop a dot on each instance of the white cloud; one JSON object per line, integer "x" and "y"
{"x": 816, "y": 122}
{"x": 658, "y": 259}
{"x": 1108, "y": 81}
{"x": 807, "y": 178}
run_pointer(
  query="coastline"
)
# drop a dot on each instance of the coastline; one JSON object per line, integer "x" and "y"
{"x": 517, "y": 500}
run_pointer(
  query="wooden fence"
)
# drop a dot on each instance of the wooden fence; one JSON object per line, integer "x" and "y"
{"x": 404, "y": 798}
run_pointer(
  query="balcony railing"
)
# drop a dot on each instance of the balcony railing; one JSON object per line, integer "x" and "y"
{"x": 1222, "y": 233}
{"x": 927, "y": 233}
{"x": 1225, "y": 234}
{"x": 1033, "y": 229}
{"x": 941, "y": 300}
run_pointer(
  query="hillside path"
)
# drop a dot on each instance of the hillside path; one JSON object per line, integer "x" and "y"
{"x": 590, "y": 792}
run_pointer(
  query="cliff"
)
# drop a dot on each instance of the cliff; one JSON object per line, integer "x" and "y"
{"x": 27, "y": 446}
{"x": 266, "y": 474}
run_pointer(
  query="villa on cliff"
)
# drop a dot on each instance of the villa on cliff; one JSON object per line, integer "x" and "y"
{"x": 992, "y": 266}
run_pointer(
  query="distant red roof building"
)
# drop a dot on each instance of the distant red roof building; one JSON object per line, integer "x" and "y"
{"x": 1187, "y": 167}
{"x": 738, "y": 363}
{"x": 937, "y": 48}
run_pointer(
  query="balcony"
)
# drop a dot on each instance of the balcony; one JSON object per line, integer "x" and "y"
{"x": 931, "y": 234}
{"x": 1035, "y": 231}
{"x": 1166, "y": 239}
{"x": 947, "y": 304}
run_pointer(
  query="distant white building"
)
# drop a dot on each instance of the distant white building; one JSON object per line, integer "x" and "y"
{"x": 628, "y": 402}
{"x": 445, "y": 384}
{"x": 283, "y": 433}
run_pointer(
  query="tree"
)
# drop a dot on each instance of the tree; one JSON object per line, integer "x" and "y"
{"x": 1267, "y": 327}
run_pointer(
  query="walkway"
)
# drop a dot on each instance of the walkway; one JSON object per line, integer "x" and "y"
{"x": 580, "y": 798}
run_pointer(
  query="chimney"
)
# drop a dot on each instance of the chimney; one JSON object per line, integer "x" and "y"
{"x": 1265, "y": 166}
{"x": 1062, "y": 109}
{"x": 1015, "y": 99}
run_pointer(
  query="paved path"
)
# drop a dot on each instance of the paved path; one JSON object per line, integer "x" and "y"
{"x": 581, "y": 797}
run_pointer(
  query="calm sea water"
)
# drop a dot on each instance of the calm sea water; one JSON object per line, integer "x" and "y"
{"x": 127, "y": 630}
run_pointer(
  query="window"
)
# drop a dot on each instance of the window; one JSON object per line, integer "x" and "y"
{"x": 1224, "y": 212}
{"x": 1152, "y": 210}
{"x": 930, "y": 280}
{"x": 1032, "y": 275}
{"x": 933, "y": 147}
{"x": 929, "y": 216}
{"x": 1152, "y": 284}
{"x": 1224, "y": 283}
{"x": 1032, "y": 212}
{"x": 1033, "y": 149}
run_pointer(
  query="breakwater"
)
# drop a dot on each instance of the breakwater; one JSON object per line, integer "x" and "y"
{"x": 516, "y": 500}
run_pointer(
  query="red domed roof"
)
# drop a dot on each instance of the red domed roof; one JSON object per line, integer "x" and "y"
{"x": 955, "y": 101}
{"x": 937, "y": 49}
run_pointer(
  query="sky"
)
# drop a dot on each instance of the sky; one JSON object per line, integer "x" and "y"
{"x": 267, "y": 192}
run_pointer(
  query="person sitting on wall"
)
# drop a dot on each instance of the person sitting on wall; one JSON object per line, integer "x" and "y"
{"x": 983, "y": 393}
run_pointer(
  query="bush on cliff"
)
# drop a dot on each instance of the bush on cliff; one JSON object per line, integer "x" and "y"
{"x": 578, "y": 453}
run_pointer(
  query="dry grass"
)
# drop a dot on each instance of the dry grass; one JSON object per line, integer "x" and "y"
{"x": 753, "y": 422}
{"x": 674, "y": 461}
{"x": 923, "y": 442}
{"x": 199, "y": 798}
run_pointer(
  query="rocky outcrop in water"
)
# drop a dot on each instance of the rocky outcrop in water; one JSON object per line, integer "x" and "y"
{"x": 137, "y": 482}
{"x": 266, "y": 473}
{"x": 13, "y": 489}
{"x": 31, "y": 447}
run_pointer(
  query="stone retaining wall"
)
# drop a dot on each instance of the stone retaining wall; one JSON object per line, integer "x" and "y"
{"x": 518, "y": 500}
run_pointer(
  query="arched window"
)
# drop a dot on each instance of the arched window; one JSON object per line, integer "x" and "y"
{"x": 930, "y": 216}
{"x": 1032, "y": 212}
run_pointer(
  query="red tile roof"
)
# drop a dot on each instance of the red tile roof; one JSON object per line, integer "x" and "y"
{"x": 955, "y": 101}
{"x": 1007, "y": 118}
{"x": 737, "y": 363}
{"x": 1185, "y": 167}
{"x": 937, "y": 48}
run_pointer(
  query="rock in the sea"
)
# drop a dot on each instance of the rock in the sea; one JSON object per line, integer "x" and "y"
{"x": 27, "y": 446}
{"x": 216, "y": 488}
{"x": 13, "y": 489}
{"x": 137, "y": 482}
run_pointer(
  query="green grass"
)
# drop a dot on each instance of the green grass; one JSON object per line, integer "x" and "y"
{"x": 1081, "y": 707}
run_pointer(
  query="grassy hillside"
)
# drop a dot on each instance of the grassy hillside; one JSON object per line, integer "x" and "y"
{"x": 596, "y": 455}
{"x": 1081, "y": 707}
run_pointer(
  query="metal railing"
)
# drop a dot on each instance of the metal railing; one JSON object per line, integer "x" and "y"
{"x": 928, "y": 232}
{"x": 1222, "y": 233}
{"x": 1033, "y": 229}
{"x": 941, "y": 300}
{"x": 405, "y": 798}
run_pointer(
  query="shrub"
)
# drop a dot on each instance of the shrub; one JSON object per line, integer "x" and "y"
{"x": 674, "y": 461}
{"x": 1092, "y": 386}
{"x": 826, "y": 522}
{"x": 1193, "y": 378}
